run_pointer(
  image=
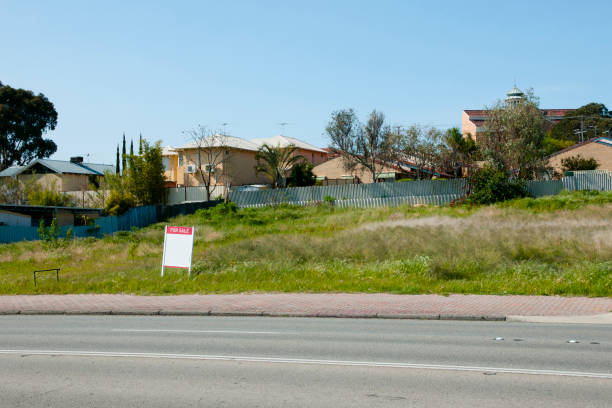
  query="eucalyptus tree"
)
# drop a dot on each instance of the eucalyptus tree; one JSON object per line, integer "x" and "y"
{"x": 370, "y": 145}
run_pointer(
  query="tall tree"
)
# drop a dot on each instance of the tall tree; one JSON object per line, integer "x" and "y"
{"x": 369, "y": 146}
{"x": 131, "y": 147}
{"x": 276, "y": 162}
{"x": 117, "y": 169}
{"x": 24, "y": 118}
{"x": 140, "y": 145}
{"x": 513, "y": 140}
{"x": 123, "y": 157}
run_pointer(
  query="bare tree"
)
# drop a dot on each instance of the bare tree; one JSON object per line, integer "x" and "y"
{"x": 425, "y": 148}
{"x": 213, "y": 157}
{"x": 370, "y": 146}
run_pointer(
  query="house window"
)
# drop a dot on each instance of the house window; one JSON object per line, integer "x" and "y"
{"x": 180, "y": 160}
{"x": 313, "y": 158}
{"x": 166, "y": 163}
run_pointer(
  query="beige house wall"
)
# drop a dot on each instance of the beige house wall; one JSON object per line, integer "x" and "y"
{"x": 601, "y": 153}
{"x": 240, "y": 168}
{"x": 171, "y": 174}
{"x": 467, "y": 126}
{"x": 313, "y": 157}
{"x": 47, "y": 181}
{"x": 334, "y": 169}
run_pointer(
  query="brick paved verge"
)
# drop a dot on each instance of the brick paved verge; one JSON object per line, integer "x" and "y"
{"x": 465, "y": 307}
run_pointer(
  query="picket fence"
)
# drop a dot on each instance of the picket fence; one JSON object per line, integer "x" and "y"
{"x": 137, "y": 217}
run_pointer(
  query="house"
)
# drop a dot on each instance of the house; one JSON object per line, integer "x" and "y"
{"x": 30, "y": 215}
{"x": 235, "y": 167}
{"x": 334, "y": 171}
{"x": 473, "y": 120}
{"x": 60, "y": 175}
{"x": 599, "y": 148}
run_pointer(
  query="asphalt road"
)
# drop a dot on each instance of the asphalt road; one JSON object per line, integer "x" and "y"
{"x": 117, "y": 361}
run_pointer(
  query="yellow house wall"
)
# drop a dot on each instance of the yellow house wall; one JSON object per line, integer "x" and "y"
{"x": 598, "y": 151}
{"x": 172, "y": 173}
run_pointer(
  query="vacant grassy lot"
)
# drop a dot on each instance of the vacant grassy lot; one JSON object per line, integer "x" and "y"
{"x": 552, "y": 245}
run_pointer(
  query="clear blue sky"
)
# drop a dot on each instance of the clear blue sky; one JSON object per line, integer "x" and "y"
{"x": 163, "y": 67}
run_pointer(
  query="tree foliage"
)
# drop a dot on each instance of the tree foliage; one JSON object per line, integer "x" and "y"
{"x": 276, "y": 162}
{"x": 593, "y": 118}
{"x": 369, "y": 145}
{"x": 24, "y": 118}
{"x": 575, "y": 163}
{"x": 301, "y": 175}
{"x": 490, "y": 185}
{"x": 513, "y": 140}
{"x": 425, "y": 148}
{"x": 463, "y": 149}
{"x": 141, "y": 184}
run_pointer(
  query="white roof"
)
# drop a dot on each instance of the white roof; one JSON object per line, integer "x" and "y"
{"x": 169, "y": 151}
{"x": 222, "y": 141}
{"x": 284, "y": 141}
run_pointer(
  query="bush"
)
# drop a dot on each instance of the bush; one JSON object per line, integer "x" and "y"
{"x": 488, "y": 186}
{"x": 41, "y": 196}
{"x": 119, "y": 202}
{"x": 301, "y": 175}
{"x": 574, "y": 163}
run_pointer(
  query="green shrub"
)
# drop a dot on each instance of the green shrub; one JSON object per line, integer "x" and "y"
{"x": 488, "y": 186}
{"x": 119, "y": 202}
{"x": 574, "y": 163}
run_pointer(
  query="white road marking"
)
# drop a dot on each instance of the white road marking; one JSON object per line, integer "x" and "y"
{"x": 283, "y": 360}
{"x": 198, "y": 331}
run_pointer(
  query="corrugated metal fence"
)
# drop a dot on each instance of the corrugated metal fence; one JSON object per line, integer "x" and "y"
{"x": 138, "y": 217}
{"x": 437, "y": 192}
{"x": 360, "y": 195}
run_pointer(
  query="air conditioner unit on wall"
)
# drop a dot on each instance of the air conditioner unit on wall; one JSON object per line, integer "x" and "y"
{"x": 191, "y": 168}
{"x": 210, "y": 168}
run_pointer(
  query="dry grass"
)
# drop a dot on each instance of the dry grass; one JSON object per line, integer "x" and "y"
{"x": 496, "y": 249}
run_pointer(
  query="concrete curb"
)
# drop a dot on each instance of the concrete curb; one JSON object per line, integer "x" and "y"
{"x": 466, "y": 317}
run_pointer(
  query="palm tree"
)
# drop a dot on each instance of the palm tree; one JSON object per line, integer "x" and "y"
{"x": 275, "y": 161}
{"x": 464, "y": 147}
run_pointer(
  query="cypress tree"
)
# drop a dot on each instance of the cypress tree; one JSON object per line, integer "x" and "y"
{"x": 140, "y": 146}
{"x": 117, "y": 161}
{"x": 131, "y": 147}
{"x": 123, "y": 157}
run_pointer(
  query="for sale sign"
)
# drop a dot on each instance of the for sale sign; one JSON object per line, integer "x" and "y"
{"x": 178, "y": 248}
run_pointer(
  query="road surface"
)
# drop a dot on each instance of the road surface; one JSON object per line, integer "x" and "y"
{"x": 133, "y": 361}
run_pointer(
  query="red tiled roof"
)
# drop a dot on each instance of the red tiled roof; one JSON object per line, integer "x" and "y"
{"x": 556, "y": 112}
{"x": 547, "y": 112}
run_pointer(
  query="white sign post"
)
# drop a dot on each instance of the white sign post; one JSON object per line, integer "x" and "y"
{"x": 178, "y": 248}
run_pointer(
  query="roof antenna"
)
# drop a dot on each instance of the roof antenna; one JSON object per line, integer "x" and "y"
{"x": 283, "y": 124}
{"x": 224, "y": 124}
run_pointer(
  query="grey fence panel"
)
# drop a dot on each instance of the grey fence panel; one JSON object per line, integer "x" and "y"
{"x": 588, "y": 180}
{"x": 544, "y": 187}
{"x": 348, "y": 192}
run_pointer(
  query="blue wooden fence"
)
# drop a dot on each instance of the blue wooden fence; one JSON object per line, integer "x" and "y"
{"x": 137, "y": 217}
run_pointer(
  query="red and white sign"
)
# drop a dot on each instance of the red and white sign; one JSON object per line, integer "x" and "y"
{"x": 178, "y": 248}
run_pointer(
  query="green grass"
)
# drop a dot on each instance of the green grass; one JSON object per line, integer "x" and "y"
{"x": 558, "y": 245}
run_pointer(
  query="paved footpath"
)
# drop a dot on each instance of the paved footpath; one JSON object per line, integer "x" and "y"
{"x": 469, "y": 307}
